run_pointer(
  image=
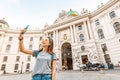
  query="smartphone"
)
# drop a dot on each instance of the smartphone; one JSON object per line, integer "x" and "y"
{"x": 25, "y": 28}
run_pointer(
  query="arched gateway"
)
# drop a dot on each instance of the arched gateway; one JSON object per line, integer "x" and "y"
{"x": 66, "y": 51}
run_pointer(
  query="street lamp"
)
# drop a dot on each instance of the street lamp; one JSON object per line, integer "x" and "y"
{"x": 21, "y": 67}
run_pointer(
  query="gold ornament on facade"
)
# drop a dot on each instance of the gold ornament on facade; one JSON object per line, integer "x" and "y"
{"x": 65, "y": 36}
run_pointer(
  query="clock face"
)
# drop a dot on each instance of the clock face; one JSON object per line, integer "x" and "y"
{"x": 65, "y": 36}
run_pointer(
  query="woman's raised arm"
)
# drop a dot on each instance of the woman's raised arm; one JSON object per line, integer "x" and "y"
{"x": 21, "y": 44}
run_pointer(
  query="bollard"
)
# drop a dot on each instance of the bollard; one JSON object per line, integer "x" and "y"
{"x": 101, "y": 71}
{"x": 82, "y": 70}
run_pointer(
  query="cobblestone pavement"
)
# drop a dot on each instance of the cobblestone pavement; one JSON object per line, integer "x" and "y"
{"x": 71, "y": 75}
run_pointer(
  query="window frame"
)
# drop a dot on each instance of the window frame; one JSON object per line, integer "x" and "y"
{"x": 97, "y": 22}
{"x": 81, "y": 37}
{"x": 30, "y": 47}
{"x": 31, "y": 38}
{"x": 116, "y": 26}
{"x": 8, "y": 47}
{"x": 112, "y": 14}
{"x": 16, "y": 66}
{"x": 100, "y": 34}
{"x": 10, "y": 38}
{"x": 5, "y": 58}
{"x": 80, "y": 27}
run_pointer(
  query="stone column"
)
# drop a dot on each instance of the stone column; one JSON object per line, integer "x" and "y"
{"x": 75, "y": 36}
{"x": 71, "y": 31}
{"x": 86, "y": 30}
{"x": 90, "y": 29}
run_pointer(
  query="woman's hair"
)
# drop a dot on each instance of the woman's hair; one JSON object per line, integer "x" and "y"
{"x": 50, "y": 47}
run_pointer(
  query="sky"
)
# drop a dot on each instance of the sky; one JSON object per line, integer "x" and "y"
{"x": 36, "y": 13}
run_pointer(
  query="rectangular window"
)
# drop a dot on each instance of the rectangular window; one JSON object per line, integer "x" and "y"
{"x": 31, "y": 39}
{"x": 28, "y": 66}
{"x": 97, "y": 22}
{"x": 30, "y": 47}
{"x": 3, "y": 66}
{"x": 5, "y": 58}
{"x": 17, "y": 58}
{"x": 112, "y": 14}
{"x": 29, "y": 58}
{"x": 40, "y": 38}
{"x": 8, "y": 47}
{"x": 104, "y": 47}
{"x": 80, "y": 27}
{"x": 10, "y": 38}
{"x": 16, "y": 67}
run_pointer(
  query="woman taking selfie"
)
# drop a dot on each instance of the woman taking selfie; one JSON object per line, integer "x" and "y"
{"x": 45, "y": 66}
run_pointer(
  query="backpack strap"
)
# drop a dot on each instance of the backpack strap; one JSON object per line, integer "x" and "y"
{"x": 52, "y": 56}
{"x": 52, "y": 59}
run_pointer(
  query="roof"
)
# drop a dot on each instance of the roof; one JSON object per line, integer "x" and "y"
{"x": 4, "y": 22}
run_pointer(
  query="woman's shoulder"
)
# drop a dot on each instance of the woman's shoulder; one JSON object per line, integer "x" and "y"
{"x": 36, "y": 52}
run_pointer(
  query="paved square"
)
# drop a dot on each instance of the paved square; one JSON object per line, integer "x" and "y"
{"x": 72, "y": 75}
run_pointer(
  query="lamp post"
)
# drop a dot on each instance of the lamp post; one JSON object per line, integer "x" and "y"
{"x": 21, "y": 67}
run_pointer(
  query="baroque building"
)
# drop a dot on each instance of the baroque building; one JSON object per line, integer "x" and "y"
{"x": 78, "y": 38}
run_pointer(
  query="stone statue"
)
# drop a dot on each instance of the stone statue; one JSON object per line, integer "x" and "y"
{"x": 62, "y": 13}
{"x": 93, "y": 55}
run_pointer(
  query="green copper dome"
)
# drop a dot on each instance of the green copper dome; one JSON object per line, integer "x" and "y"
{"x": 72, "y": 13}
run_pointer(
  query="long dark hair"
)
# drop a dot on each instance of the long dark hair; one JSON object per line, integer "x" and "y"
{"x": 50, "y": 47}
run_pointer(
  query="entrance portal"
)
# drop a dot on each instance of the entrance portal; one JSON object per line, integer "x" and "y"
{"x": 84, "y": 59}
{"x": 66, "y": 57}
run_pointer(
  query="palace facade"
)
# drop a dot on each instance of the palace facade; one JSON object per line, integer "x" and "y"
{"x": 78, "y": 38}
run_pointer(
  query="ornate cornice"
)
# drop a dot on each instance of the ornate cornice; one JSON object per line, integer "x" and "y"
{"x": 67, "y": 21}
{"x": 88, "y": 15}
{"x": 10, "y": 31}
{"x": 103, "y": 8}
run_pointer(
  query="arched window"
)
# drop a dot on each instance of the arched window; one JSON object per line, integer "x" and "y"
{"x": 8, "y": 47}
{"x": 100, "y": 34}
{"x": 81, "y": 37}
{"x": 117, "y": 27}
{"x": 3, "y": 67}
